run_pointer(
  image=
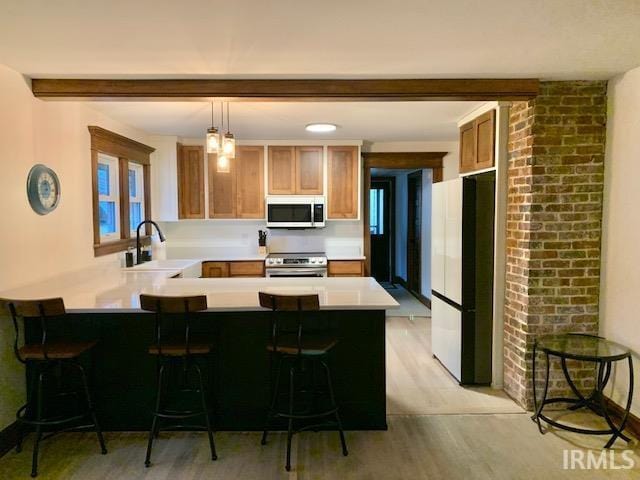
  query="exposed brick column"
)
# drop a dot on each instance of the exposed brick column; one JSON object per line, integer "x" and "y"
{"x": 554, "y": 213}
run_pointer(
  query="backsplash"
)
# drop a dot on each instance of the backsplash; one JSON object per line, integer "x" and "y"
{"x": 237, "y": 238}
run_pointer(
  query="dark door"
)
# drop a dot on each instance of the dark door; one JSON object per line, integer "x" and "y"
{"x": 380, "y": 224}
{"x": 414, "y": 231}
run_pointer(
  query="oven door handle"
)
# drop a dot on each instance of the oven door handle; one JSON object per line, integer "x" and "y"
{"x": 287, "y": 270}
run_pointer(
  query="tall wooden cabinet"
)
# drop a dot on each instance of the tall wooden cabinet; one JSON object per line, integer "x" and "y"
{"x": 342, "y": 183}
{"x": 238, "y": 193}
{"x": 249, "y": 182}
{"x": 295, "y": 170}
{"x": 477, "y": 143}
{"x": 190, "y": 181}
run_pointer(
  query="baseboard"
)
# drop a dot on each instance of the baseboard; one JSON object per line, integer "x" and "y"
{"x": 633, "y": 422}
{"x": 9, "y": 436}
{"x": 421, "y": 298}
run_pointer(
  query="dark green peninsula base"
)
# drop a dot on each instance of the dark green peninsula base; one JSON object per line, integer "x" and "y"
{"x": 124, "y": 374}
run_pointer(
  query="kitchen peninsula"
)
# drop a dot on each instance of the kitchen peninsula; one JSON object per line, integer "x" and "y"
{"x": 103, "y": 305}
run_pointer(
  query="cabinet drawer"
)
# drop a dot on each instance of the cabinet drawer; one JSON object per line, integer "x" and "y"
{"x": 215, "y": 269}
{"x": 346, "y": 268}
{"x": 246, "y": 269}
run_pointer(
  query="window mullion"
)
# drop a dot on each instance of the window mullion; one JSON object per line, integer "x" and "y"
{"x": 123, "y": 171}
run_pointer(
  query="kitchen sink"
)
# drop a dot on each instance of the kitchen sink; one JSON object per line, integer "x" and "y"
{"x": 189, "y": 268}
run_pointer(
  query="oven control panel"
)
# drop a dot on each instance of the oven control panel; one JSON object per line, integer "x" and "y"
{"x": 273, "y": 261}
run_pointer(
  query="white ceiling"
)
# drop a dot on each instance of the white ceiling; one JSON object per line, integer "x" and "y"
{"x": 371, "y": 121}
{"x": 559, "y": 39}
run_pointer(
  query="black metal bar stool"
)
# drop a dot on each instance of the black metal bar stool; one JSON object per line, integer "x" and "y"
{"x": 46, "y": 359}
{"x": 302, "y": 352}
{"x": 177, "y": 349}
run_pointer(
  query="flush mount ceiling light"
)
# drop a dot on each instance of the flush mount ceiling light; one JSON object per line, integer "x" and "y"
{"x": 320, "y": 127}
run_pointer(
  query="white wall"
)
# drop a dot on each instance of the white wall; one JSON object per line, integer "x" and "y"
{"x": 34, "y": 247}
{"x": 620, "y": 279}
{"x": 425, "y": 250}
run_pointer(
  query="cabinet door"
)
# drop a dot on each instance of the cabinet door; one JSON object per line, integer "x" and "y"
{"x": 467, "y": 147}
{"x": 215, "y": 269}
{"x": 453, "y": 240}
{"x": 249, "y": 182}
{"x": 446, "y": 335}
{"x": 309, "y": 178}
{"x": 438, "y": 202}
{"x": 190, "y": 181}
{"x": 246, "y": 269}
{"x": 222, "y": 190}
{"x": 346, "y": 268}
{"x": 342, "y": 182}
{"x": 485, "y": 140}
{"x": 282, "y": 171}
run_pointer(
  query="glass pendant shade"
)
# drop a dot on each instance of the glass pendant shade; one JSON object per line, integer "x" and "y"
{"x": 229, "y": 145}
{"x": 213, "y": 140}
{"x": 223, "y": 165}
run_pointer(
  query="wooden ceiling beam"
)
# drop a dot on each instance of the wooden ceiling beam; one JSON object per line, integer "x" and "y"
{"x": 287, "y": 89}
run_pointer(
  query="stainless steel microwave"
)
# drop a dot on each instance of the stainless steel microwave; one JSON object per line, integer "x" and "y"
{"x": 295, "y": 211}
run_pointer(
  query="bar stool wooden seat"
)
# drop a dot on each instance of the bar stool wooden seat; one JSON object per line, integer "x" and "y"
{"x": 302, "y": 351}
{"x": 177, "y": 349}
{"x": 49, "y": 358}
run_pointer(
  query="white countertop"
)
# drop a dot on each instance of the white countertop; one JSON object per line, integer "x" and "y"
{"x": 110, "y": 289}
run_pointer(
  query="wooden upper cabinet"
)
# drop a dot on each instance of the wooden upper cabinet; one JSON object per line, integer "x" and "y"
{"x": 249, "y": 168}
{"x": 295, "y": 171}
{"x": 467, "y": 147}
{"x": 309, "y": 177}
{"x": 485, "y": 140}
{"x": 222, "y": 190}
{"x": 342, "y": 182}
{"x": 477, "y": 143}
{"x": 190, "y": 181}
{"x": 282, "y": 170}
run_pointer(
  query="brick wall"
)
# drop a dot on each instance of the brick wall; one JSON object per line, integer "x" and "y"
{"x": 554, "y": 212}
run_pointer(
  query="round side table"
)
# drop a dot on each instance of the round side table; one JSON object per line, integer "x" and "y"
{"x": 587, "y": 348}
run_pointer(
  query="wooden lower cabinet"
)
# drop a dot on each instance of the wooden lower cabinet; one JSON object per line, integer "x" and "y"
{"x": 216, "y": 269}
{"x": 346, "y": 268}
{"x": 246, "y": 269}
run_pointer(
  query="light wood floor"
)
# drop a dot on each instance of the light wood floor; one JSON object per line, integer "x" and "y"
{"x": 492, "y": 439}
{"x": 418, "y": 384}
{"x": 440, "y": 447}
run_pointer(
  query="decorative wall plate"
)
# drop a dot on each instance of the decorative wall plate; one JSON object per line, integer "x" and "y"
{"x": 43, "y": 189}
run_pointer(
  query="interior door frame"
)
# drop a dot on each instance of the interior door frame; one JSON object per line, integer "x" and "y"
{"x": 394, "y": 160}
{"x": 391, "y": 219}
{"x": 413, "y": 175}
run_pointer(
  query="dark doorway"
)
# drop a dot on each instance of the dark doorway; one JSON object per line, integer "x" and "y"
{"x": 381, "y": 226}
{"x": 414, "y": 232}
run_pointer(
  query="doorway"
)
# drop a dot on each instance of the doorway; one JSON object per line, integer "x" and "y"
{"x": 382, "y": 228}
{"x": 414, "y": 233}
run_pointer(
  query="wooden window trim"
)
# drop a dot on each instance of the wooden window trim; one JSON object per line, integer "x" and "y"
{"x": 127, "y": 151}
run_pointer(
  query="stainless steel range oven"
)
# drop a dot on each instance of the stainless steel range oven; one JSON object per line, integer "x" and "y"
{"x": 287, "y": 265}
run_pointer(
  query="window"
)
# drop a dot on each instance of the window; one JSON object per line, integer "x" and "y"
{"x": 120, "y": 178}
{"x": 376, "y": 211}
{"x": 108, "y": 198}
{"x": 136, "y": 196}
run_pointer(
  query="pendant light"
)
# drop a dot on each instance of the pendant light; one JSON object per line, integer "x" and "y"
{"x": 223, "y": 165}
{"x": 229, "y": 142}
{"x": 213, "y": 137}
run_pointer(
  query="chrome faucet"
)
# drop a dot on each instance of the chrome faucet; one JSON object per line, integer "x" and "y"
{"x": 138, "y": 249}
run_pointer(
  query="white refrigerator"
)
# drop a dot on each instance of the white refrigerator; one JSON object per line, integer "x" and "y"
{"x": 462, "y": 239}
